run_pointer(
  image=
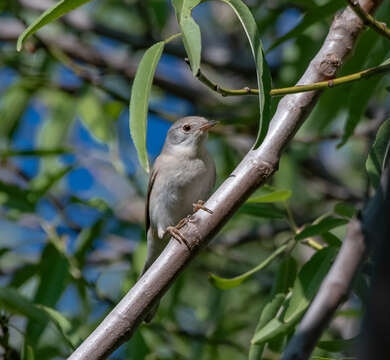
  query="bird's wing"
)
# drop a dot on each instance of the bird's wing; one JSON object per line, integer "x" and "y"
{"x": 152, "y": 178}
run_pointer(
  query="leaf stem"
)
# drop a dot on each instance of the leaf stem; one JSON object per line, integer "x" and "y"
{"x": 294, "y": 89}
{"x": 172, "y": 37}
{"x": 369, "y": 20}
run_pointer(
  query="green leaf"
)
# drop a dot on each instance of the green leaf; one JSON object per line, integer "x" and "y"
{"x": 57, "y": 10}
{"x": 99, "y": 123}
{"x": 331, "y": 239}
{"x": 274, "y": 329}
{"x": 285, "y": 275}
{"x": 54, "y": 275}
{"x": 190, "y": 31}
{"x": 12, "y": 301}
{"x": 269, "y": 312}
{"x": 313, "y": 16}
{"x": 225, "y": 284}
{"x": 27, "y": 352}
{"x": 345, "y": 210}
{"x": 262, "y": 210}
{"x": 276, "y": 196}
{"x": 17, "y": 98}
{"x": 308, "y": 282}
{"x": 379, "y": 154}
{"x": 262, "y": 70}
{"x": 14, "y": 197}
{"x": 323, "y": 226}
{"x": 337, "y": 345}
{"x": 139, "y": 100}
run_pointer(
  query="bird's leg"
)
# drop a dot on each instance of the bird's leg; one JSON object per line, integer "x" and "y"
{"x": 175, "y": 233}
{"x": 199, "y": 206}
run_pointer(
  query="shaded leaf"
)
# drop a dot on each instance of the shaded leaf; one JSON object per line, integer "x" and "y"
{"x": 53, "y": 277}
{"x": 15, "y": 303}
{"x": 337, "y": 345}
{"x": 139, "y": 100}
{"x": 323, "y": 226}
{"x": 269, "y": 312}
{"x": 308, "y": 282}
{"x": 57, "y": 10}
{"x": 225, "y": 284}
{"x": 262, "y": 210}
{"x": 276, "y": 196}
{"x": 379, "y": 154}
{"x": 331, "y": 239}
{"x": 285, "y": 275}
{"x": 345, "y": 210}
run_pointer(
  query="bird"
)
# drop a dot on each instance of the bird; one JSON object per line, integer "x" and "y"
{"x": 181, "y": 179}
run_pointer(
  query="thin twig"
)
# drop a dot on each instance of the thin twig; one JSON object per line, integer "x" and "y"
{"x": 369, "y": 20}
{"x": 294, "y": 89}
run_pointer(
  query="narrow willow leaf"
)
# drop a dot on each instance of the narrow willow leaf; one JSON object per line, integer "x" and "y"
{"x": 274, "y": 329}
{"x": 225, "y": 284}
{"x": 15, "y": 303}
{"x": 190, "y": 30}
{"x": 322, "y": 227}
{"x": 345, "y": 210}
{"x": 285, "y": 275}
{"x": 53, "y": 278}
{"x": 267, "y": 211}
{"x": 379, "y": 154}
{"x": 331, "y": 239}
{"x": 337, "y": 345}
{"x": 51, "y": 14}
{"x": 269, "y": 312}
{"x": 262, "y": 70}
{"x": 313, "y": 15}
{"x": 27, "y": 352}
{"x": 308, "y": 282}
{"x": 276, "y": 196}
{"x": 140, "y": 93}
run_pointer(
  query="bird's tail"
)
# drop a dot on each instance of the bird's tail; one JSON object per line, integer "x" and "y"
{"x": 155, "y": 247}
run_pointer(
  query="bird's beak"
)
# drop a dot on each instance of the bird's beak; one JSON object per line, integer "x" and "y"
{"x": 208, "y": 126}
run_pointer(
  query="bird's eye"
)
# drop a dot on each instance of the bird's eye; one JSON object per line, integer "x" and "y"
{"x": 187, "y": 127}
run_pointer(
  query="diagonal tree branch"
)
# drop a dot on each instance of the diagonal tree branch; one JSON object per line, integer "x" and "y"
{"x": 256, "y": 167}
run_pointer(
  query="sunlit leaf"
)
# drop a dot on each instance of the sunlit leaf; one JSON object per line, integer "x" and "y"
{"x": 262, "y": 70}
{"x": 139, "y": 100}
{"x": 225, "y": 284}
{"x": 323, "y": 226}
{"x": 379, "y": 154}
{"x": 308, "y": 282}
{"x": 57, "y": 10}
{"x": 276, "y": 196}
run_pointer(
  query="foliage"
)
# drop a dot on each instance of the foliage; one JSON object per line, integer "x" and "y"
{"x": 72, "y": 188}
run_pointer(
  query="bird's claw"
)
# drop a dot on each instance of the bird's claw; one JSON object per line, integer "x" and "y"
{"x": 199, "y": 206}
{"x": 175, "y": 233}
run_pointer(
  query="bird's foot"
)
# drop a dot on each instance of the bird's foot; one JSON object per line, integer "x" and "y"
{"x": 199, "y": 206}
{"x": 176, "y": 234}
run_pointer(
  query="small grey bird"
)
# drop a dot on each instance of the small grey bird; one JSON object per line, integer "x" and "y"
{"x": 183, "y": 175}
